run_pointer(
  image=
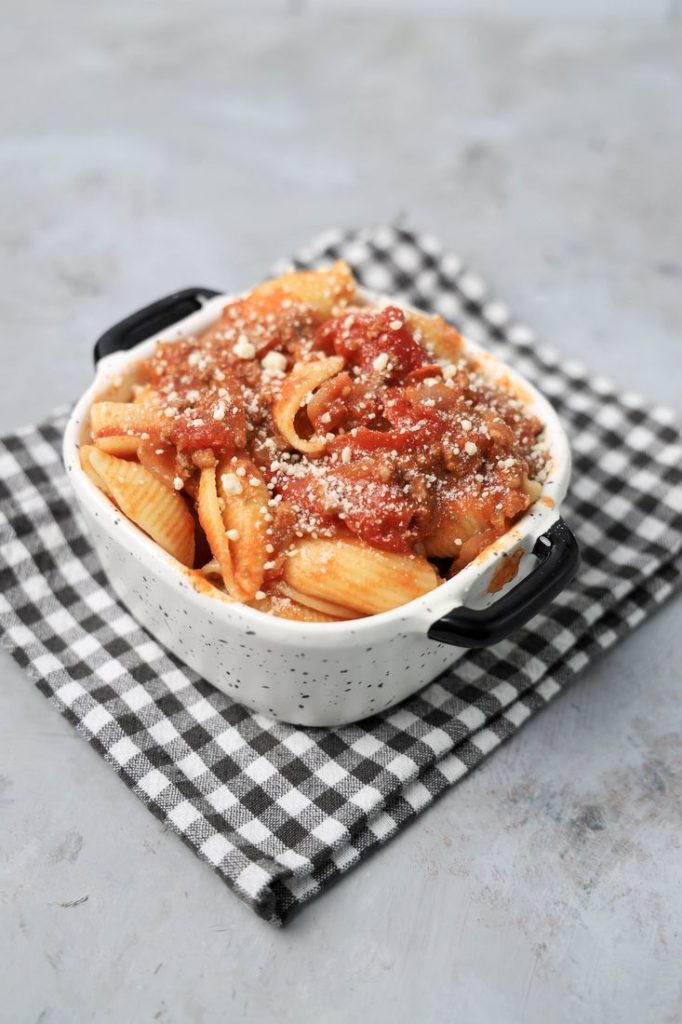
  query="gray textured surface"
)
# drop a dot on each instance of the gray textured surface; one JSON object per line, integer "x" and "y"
{"x": 150, "y": 146}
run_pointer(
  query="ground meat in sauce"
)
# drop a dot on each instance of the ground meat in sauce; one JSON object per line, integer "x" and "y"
{"x": 414, "y": 448}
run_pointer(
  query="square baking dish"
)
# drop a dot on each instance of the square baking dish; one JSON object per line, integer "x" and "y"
{"x": 319, "y": 674}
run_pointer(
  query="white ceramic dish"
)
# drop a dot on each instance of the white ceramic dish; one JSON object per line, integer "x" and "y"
{"x": 317, "y": 674}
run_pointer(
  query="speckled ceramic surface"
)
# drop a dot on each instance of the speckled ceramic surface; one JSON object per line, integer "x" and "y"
{"x": 309, "y": 674}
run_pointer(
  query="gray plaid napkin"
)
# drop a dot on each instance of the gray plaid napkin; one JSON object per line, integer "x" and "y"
{"x": 281, "y": 812}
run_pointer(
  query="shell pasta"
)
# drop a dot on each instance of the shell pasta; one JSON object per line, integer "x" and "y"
{"x": 352, "y": 575}
{"x": 158, "y": 511}
{"x": 299, "y": 385}
{"x": 314, "y": 456}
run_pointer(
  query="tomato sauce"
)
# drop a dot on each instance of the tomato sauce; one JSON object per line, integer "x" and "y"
{"x": 420, "y": 455}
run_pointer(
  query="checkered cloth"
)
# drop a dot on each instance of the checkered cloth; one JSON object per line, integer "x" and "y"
{"x": 280, "y": 812}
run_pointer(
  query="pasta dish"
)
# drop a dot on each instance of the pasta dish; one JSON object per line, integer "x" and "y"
{"x": 315, "y": 456}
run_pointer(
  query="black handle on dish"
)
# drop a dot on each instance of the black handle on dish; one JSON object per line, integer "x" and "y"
{"x": 558, "y": 556}
{"x": 160, "y": 314}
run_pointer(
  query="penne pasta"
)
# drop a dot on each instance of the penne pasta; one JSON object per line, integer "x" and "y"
{"x": 211, "y": 588}
{"x": 277, "y": 603}
{"x": 443, "y": 542}
{"x": 533, "y": 488}
{"x": 303, "y": 379}
{"x": 160, "y": 513}
{"x": 326, "y": 291}
{"x": 159, "y": 460}
{"x": 211, "y": 519}
{"x": 116, "y": 418}
{"x": 145, "y": 394}
{"x": 459, "y": 525}
{"x": 121, "y": 445}
{"x": 438, "y": 337}
{"x": 318, "y": 604}
{"x": 298, "y": 612}
{"x": 90, "y": 471}
{"x": 356, "y": 576}
{"x": 246, "y": 519}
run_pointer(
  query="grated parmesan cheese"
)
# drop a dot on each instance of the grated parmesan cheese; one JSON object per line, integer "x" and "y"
{"x": 244, "y": 349}
{"x": 274, "y": 362}
{"x": 231, "y": 484}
